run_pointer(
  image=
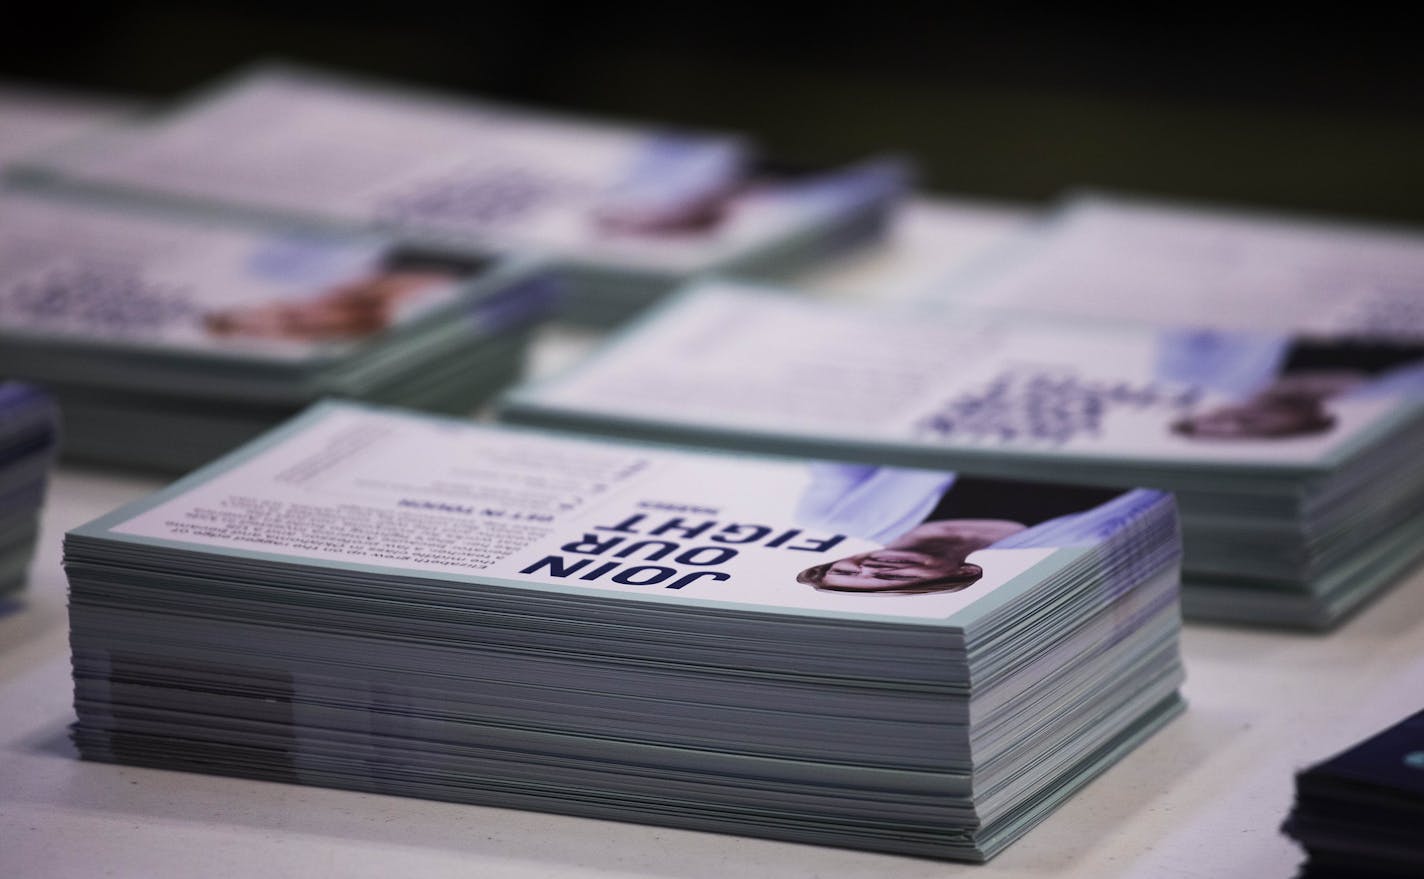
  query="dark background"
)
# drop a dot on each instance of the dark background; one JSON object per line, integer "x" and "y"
{"x": 1013, "y": 101}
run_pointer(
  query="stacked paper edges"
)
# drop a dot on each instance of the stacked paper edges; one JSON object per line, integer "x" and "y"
{"x": 412, "y": 605}
{"x": 27, "y": 441}
{"x": 1357, "y": 815}
{"x": 627, "y": 212}
{"x": 170, "y": 337}
{"x": 1296, "y": 506}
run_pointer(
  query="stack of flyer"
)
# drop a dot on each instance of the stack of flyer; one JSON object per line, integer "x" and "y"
{"x": 170, "y": 337}
{"x": 27, "y": 440}
{"x": 1117, "y": 259}
{"x": 629, "y": 212}
{"x": 1304, "y": 313}
{"x": 1358, "y": 814}
{"x": 34, "y": 121}
{"x": 901, "y": 660}
{"x": 1299, "y": 486}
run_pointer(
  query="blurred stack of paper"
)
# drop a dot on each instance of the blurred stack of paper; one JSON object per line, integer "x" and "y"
{"x": 27, "y": 440}
{"x": 1116, "y": 259}
{"x": 34, "y": 121}
{"x": 169, "y": 337}
{"x": 888, "y": 659}
{"x": 1299, "y": 485}
{"x": 1358, "y": 814}
{"x": 628, "y": 212}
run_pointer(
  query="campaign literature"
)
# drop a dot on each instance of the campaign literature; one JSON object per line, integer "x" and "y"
{"x": 1358, "y": 814}
{"x": 628, "y": 211}
{"x": 1293, "y": 458}
{"x": 27, "y": 441}
{"x": 171, "y": 336}
{"x": 904, "y": 660}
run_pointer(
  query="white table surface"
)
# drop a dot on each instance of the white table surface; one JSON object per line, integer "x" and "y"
{"x": 1202, "y": 798}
